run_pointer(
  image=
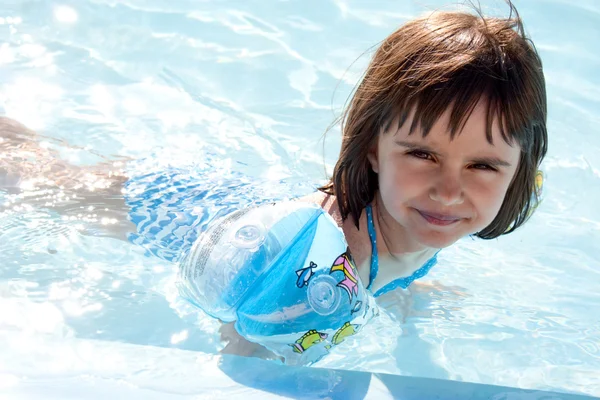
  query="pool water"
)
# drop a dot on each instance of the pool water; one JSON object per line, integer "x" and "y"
{"x": 248, "y": 88}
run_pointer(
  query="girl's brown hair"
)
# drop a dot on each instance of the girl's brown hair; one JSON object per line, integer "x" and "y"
{"x": 448, "y": 59}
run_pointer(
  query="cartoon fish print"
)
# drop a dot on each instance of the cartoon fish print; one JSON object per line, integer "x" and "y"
{"x": 356, "y": 307}
{"x": 305, "y": 274}
{"x": 349, "y": 283}
{"x": 346, "y": 330}
{"x": 308, "y": 340}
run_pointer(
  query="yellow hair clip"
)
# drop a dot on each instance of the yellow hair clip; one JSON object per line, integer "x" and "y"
{"x": 538, "y": 187}
{"x": 539, "y": 183}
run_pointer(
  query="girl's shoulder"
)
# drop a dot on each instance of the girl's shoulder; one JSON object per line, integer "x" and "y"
{"x": 326, "y": 201}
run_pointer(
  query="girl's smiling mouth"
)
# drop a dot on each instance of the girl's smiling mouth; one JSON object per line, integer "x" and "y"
{"x": 439, "y": 219}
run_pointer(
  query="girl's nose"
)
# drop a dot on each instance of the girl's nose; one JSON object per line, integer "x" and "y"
{"x": 448, "y": 189}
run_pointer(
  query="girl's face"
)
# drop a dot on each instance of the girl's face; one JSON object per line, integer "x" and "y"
{"x": 436, "y": 190}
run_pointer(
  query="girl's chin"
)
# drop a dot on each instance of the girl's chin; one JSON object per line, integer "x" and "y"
{"x": 438, "y": 240}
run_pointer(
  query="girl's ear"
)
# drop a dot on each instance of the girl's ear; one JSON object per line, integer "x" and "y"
{"x": 373, "y": 158}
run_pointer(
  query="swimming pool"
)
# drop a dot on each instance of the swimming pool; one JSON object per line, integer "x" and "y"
{"x": 254, "y": 84}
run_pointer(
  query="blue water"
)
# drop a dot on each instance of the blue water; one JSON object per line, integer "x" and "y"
{"x": 255, "y": 84}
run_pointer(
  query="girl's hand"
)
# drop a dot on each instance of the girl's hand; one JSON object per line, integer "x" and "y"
{"x": 238, "y": 345}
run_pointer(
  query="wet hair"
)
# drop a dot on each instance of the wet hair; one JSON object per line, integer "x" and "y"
{"x": 442, "y": 60}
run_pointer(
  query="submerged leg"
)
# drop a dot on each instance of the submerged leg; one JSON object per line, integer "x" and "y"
{"x": 35, "y": 175}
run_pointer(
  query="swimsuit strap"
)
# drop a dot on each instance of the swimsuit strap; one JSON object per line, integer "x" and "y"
{"x": 374, "y": 257}
{"x": 400, "y": 282}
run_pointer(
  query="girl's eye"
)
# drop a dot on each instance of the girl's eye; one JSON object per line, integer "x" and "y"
{"x": 420, "y": 154}
{"x": 483, "y": 167}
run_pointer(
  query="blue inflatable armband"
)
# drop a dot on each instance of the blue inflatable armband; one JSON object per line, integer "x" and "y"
{"x": 283, "y": 272}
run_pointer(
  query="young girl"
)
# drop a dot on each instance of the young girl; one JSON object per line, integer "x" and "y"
{"x": 442, "y": 139}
